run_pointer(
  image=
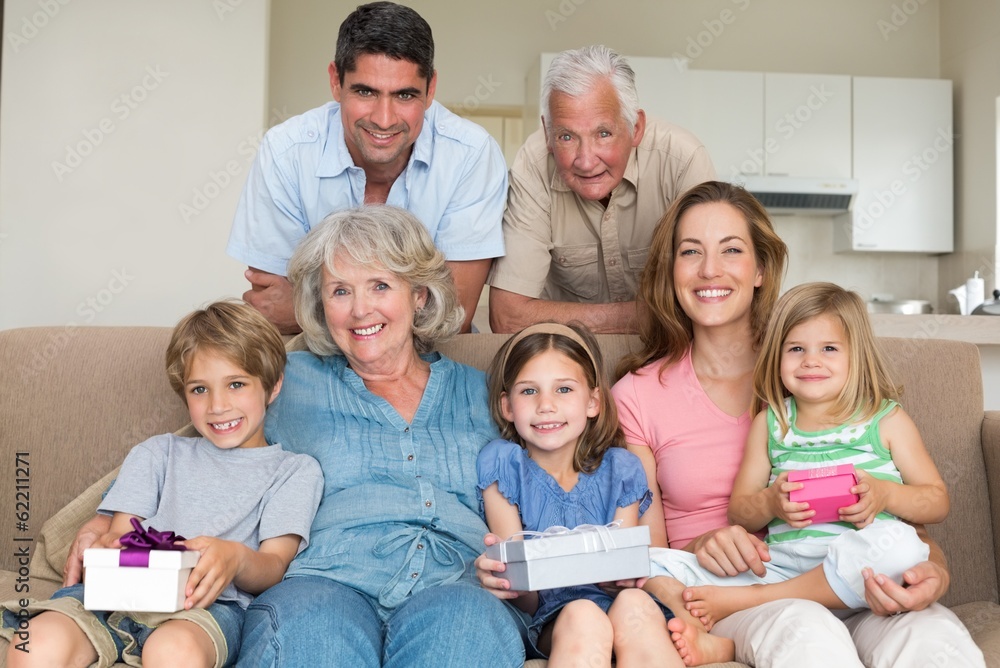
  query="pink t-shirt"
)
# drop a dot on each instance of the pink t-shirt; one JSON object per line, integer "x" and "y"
{"x": 697, "y": 447}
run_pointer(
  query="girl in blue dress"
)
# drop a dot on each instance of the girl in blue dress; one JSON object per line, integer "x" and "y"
{"x": 560, "y": 462}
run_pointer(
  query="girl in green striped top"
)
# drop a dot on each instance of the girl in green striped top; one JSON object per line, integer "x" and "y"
{"x": 829, "y": 401}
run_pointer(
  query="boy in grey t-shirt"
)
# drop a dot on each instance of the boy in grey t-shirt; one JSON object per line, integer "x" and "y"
{"x": 249, "y": 505}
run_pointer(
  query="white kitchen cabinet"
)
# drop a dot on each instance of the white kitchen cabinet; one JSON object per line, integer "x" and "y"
{"x": 807, "y": 125}
{"x": 725, "y": 110}
{"x": 662, "y": 85}
{"x": 903, "y": 148}
{"x": 773, "y": 124}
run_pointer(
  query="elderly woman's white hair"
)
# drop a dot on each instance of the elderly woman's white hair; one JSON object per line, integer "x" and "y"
{"x": 385, "y": 236}
{"x": 573, "y": 73}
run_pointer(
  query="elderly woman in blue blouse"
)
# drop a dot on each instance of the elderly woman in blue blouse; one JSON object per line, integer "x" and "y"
{"x": 396, "y": 429}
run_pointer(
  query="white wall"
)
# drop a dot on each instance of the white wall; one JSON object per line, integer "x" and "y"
{"x": 484, "y": 49}
{"x": 113, "y": 115}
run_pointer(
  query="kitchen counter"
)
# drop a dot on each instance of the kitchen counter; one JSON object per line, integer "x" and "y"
{"x": 983, "y": 330}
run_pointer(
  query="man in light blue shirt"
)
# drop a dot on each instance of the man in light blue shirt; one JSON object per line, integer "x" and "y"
{"x": 383, "y": 141}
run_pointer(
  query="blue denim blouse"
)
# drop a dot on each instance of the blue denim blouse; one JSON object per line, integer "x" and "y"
{"x": 400, "y": 510}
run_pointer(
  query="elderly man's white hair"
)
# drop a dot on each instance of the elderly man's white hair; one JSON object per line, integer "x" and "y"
{"x": 574, "y": 72}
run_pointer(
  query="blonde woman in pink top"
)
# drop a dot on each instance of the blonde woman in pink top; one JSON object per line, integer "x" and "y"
{"x": 685, "y": 405}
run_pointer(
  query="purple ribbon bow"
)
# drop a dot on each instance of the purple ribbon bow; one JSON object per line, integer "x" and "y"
{"x": 137, "y": 544}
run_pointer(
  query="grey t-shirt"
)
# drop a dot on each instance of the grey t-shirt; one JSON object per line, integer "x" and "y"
{"x": 191, "y": 487}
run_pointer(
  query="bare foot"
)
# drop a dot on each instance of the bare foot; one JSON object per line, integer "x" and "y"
{"x": 697, "y": 647}
{"x": 670, "y": 592}
{"x": 711, "y": 603}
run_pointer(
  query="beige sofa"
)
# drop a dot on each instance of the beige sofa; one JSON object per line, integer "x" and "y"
{"x": 74, "y": 400}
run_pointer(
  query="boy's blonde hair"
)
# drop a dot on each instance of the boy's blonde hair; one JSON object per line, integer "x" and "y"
{"x": 868, "y": 384}
{"x": 603, "y": 430}
{"x": 233, "y": 329}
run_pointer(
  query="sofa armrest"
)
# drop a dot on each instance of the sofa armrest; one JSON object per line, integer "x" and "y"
{"x": 991, "y": 456}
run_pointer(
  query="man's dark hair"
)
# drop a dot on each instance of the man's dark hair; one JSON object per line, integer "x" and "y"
{"x": 388, "y": 29}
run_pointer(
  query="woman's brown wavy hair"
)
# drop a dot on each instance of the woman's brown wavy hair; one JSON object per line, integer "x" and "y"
{"x": 665, "y": 331}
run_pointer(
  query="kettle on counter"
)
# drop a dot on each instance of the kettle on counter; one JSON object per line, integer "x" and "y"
{"x": 990, "y": 306}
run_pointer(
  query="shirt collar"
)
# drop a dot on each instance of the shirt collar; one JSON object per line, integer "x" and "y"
{"x": 423, "y": 148}
{"x": 335, "y": 158}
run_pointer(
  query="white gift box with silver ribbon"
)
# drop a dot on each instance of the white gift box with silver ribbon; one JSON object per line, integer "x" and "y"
{"x": 561, "y": 557}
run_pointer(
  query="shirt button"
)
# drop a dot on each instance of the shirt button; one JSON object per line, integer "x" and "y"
{"x": 562, "y": 261}
{"x": 409, "y": 458}
{"x": 427, "y": 503}
{"x": 414, "y": 575}
{"x": 420, "y": 546}
{"x": 407, "y": 429}
{"x": 613, "y": 262}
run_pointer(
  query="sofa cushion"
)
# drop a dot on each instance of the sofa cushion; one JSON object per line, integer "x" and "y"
{"x": 982, "y": 618}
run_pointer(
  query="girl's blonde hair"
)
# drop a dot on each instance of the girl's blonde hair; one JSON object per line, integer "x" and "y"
{"x": 665, "y": 330}
{"x": 577, "y": 343}
{"x": 869, "y": 382}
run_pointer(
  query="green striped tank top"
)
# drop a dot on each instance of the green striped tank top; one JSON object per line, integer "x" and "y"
{"x": 853, "y": 443}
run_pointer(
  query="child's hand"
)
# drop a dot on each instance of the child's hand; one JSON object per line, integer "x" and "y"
{"x": 484, "y": 567}
{"x": 797, "y": 514}
{"x": 874, "y": 494}
{"x": 108, "y": 540}
{"x": 219, "y": 563}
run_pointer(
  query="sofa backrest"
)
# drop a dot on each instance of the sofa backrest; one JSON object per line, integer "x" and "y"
{"x": 76, "y": 400}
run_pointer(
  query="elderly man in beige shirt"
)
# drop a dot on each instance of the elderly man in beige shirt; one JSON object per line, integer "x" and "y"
{"x": 586, "y": 192}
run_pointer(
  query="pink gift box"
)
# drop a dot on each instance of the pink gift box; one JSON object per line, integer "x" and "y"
{"x": 826, "y": 489}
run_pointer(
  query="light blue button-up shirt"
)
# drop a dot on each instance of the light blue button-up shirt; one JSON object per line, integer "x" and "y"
{"x": 455, "y": 183}
{"x": 400, "y": 510}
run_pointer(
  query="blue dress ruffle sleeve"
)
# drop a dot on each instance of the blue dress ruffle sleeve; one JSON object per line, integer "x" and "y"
{"x": 501, "y": 462}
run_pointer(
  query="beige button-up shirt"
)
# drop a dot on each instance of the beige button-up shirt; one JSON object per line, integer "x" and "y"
{"x": 563, "y": 248}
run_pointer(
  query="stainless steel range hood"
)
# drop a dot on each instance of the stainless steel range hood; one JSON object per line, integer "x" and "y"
{"x": 803, "y": 196}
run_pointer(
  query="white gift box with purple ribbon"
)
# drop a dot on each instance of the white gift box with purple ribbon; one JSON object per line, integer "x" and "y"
{"x": 561, "y": 557}
{"x": 148, "y": 575}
